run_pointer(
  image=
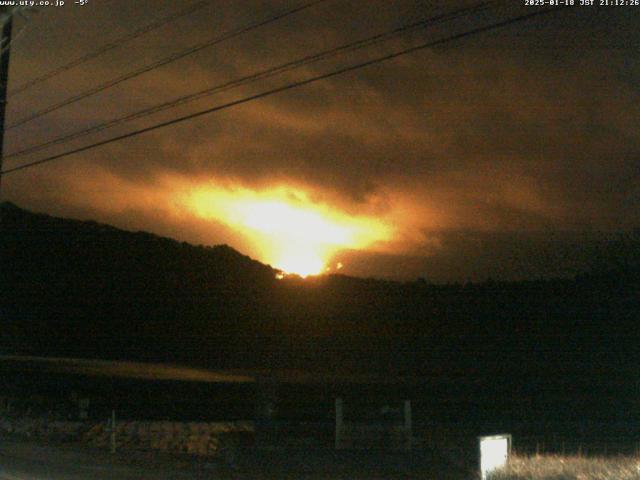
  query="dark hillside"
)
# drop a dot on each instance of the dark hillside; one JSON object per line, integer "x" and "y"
{"x": 71, "y": 287}
{"x": 568, "y": 348}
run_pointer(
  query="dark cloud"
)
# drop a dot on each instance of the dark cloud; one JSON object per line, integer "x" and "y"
{"x": 525, "y": 130}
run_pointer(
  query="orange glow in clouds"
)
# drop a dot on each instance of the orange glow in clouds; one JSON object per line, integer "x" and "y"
{"x": 291, "y": 232}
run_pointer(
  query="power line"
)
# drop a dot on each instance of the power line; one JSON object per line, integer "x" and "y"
{"x": 289, "y": 86}
{"x": 270, "y": 72}
{"x": 110, "y": 46}
{"x": 171, "y": 58}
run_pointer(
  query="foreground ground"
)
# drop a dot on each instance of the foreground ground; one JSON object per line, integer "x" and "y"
{"x": 22, "y": 459}
{"x": 556, "y": 467}
{"x": 27, "y": 460}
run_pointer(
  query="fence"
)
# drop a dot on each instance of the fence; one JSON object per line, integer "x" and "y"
{"x": 373, "y": 434}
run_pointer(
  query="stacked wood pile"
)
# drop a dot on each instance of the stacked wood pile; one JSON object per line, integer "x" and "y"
{"x": 196, "y": 438}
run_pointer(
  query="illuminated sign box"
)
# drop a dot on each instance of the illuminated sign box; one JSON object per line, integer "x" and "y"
{"x": 494, "y": 453}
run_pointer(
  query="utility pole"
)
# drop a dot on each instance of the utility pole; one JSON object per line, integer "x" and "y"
{"x": 6, "y": 17}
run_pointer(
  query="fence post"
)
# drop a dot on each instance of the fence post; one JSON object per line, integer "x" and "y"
{"x": 408, "y": 426}
{"x": 266, "y": 410}
{"x": 339, "y": 423}
{"x": 113, "y": 431}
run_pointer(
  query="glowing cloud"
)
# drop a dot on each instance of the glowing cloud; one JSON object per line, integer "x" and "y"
{"x": 291, "y": 232}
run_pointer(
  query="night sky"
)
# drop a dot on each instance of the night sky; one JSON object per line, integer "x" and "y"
{"x": 508, "y": 154}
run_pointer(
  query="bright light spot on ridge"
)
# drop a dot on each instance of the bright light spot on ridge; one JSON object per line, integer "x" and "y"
{"x": 290, "y": 232}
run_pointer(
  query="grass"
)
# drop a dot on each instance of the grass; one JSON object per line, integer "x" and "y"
{"x": 557, "y": 467}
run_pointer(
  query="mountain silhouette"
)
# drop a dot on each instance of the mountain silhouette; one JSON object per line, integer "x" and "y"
{"x": 82, "y": 289}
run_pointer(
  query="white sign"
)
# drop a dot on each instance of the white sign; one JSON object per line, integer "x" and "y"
{"x": 494, "y": 453}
